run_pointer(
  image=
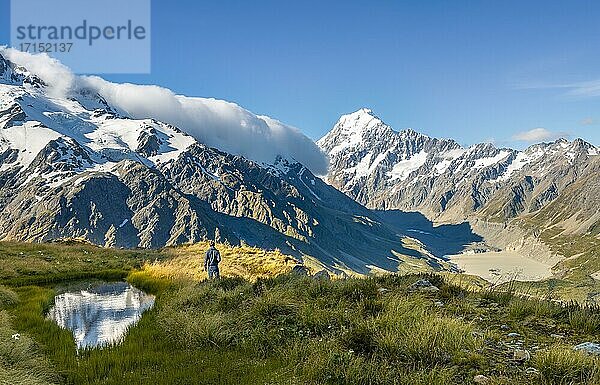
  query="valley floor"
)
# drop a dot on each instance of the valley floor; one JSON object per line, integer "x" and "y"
{"x": 503, "y": 266}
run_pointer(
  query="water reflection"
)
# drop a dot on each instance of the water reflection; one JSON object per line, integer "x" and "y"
{"x": 100, "y": 314}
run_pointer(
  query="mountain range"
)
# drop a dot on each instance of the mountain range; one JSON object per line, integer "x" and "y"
{"x": 75, "y": 166}
{"x": 537, "y": 201}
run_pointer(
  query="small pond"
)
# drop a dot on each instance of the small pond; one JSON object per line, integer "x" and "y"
{"x": 98, "y": 313}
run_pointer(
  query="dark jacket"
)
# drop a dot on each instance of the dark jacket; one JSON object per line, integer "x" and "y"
{"x": 212, "y": 257}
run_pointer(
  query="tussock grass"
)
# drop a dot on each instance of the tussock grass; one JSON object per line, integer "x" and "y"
{"x": 297, "y": 330}
{"x": 521, "y": 309}
{"x": 185, "y": 262}
{"x": 353, "y": 334}
{"x": 7, "y": 297}
{"x": 584, "y": 320}
{"x": 408, "y": 330}
{"x": 148, "y": 354}
{"x": 276, "y": 328}
{"x": 23, "y": 264}
{"x": 562, "y": 365}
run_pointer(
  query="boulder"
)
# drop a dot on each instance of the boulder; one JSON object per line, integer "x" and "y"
{"x": 300, "y": 270}
{"x": 322, "y": 274}
{"x": 481, "y": 379}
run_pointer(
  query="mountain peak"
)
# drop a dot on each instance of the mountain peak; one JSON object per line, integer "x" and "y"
{"x": 362, "y": 120}
{"x": 354, "y": 128}
{"x": 364, "y": 111}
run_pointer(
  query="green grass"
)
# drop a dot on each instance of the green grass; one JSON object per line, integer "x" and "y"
{"x": 561, "y": 365}
{"x": 298, "y": 330}
{"x": 23, "y": 264}
{"x": 148, "y": 353}
{"x": 21, "y": 363}
{"x": 294, "y": 330}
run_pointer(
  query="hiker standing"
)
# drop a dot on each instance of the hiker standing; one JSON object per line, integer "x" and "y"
{"x": 211, "y": 261}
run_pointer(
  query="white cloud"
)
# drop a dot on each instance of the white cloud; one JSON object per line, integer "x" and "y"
{"x": 216, "y": 123}
{"x": 539, "y": 134}
{"x": 50, "y": 70}
{"x": 585, "y": 89}
{"x": 587, "y": 121}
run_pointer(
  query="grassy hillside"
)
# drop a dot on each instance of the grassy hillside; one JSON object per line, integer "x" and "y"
{"x": 185, "y": 262}
{"x": 283, "y": 329}
{"x": 27, "y": 263}
{"x": 574, "y": 276}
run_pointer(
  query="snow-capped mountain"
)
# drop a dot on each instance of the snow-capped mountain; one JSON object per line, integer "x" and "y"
{"x": 385, "y": 169}
{"x": 77, "y": 166}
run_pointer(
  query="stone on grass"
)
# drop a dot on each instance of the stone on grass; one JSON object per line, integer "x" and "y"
{"x": 588, "y": 347}
{"x": 423, "y": 285}
{"x": 481, "y": 379}
{"x": 531, "y": 371}
{"x": 521, "y": 355}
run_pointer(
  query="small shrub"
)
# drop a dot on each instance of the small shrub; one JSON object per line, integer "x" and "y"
{"x": 370, "y": 308}
{"x": 448, "y": 292}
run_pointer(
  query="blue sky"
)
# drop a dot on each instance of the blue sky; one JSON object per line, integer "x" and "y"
{"x": 470, "y": 70}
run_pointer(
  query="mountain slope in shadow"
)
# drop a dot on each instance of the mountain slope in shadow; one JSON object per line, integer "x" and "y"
{"x": 441, "y": 240}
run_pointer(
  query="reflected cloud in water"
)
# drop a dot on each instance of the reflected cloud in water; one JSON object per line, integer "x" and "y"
{"x": 101, "y": 314}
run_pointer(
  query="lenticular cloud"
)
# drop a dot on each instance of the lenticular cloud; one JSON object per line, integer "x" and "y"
{"x": 216, "y": 123}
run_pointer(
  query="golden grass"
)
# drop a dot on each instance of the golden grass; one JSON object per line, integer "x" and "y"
{"x": 185, "y": 262}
